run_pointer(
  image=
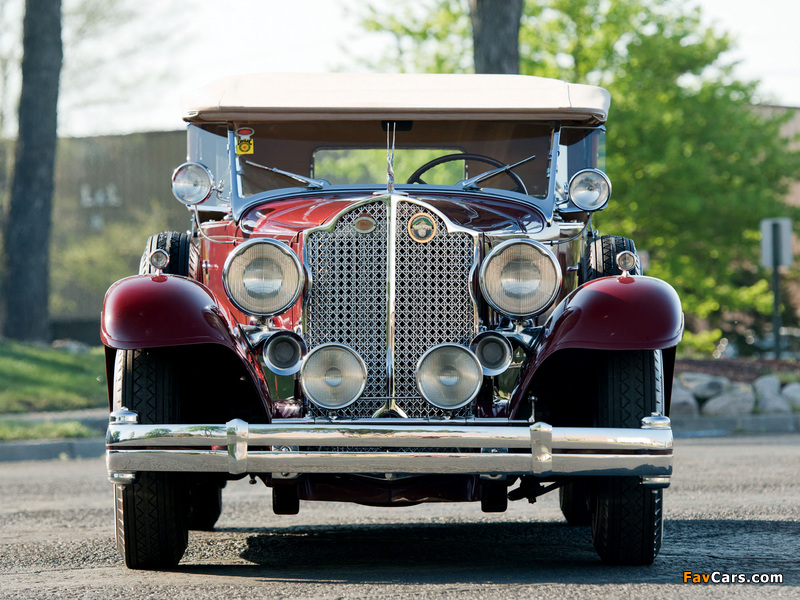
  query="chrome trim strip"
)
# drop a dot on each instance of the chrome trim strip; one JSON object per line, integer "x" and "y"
{"x": 540, "y": 449}
{"x": 391, "y": 298}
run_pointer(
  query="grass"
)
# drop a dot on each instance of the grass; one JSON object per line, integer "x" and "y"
{"x": 40, "y": 378}
{"x": 25, "y": 430}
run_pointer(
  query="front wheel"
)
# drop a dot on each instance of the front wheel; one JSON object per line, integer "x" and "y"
{"x": 627, "y": 518}
{"x": 150, "y": 514}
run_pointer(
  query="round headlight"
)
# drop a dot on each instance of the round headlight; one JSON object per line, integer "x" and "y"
{"x": 333, "y": 376}
{"x": 520, "y": 278}
{"x": 590, "y": 189}
{"x": 192, "y": 183}
{"x": 263, "y": 277}
{"x": 449, "y": 376}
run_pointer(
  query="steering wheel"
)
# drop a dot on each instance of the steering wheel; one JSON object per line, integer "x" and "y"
{"x": 416, "y": 176}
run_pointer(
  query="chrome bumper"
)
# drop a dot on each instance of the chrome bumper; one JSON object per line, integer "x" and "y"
{"x": 499, "y": 447}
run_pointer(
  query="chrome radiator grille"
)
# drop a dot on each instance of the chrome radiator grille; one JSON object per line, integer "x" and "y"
{"x": 348, "y": 296}
{"x": 348, "y": 302}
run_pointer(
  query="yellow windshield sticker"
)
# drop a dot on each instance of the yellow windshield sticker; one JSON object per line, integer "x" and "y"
{"x": 244, "y": 141}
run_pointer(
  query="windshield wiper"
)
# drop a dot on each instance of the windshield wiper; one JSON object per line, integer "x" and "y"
{"x": 472, "y": 182}
{"x": 312, "y": 184}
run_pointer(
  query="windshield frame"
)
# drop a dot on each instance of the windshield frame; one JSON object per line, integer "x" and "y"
{"x": 239, "y": 202}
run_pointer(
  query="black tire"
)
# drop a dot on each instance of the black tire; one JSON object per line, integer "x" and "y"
{"x": 627, "y": 518}
{"x": 183, "y": 255}
{"x": 573, "y": 497}
{"x": 205, "y": 504}
{"x": 600, "y": 257}
{"x": 150, "y": 521}
{"x": 599, "y": 260}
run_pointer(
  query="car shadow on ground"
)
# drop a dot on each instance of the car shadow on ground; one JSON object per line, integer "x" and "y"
{"x": 508, "y": 552}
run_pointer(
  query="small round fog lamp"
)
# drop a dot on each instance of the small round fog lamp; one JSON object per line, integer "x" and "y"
{"x": 626, "y": 261}
{"x": 159, "y": 259}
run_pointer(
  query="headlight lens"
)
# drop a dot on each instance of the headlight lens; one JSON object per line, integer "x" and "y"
{"x": 333, "y": 376}
{"x": 520, "y": 278}
{"x": 449, "y": 376}
{"x": 192, "y": 183}
{"x": 263, "y": 277}
{"x": 590, "y": 189}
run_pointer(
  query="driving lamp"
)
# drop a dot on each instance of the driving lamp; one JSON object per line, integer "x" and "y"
{"x": 589, "y": 190}
{"x": 263, "y": 277}
{"x": 333, "y": 376}
{"x": 449, "y": 376}
{"x": 283, "y": 353}
{"x": 192, "y": 183}
{"x": 520, "y": 278}
{"x": 493, "y": 351}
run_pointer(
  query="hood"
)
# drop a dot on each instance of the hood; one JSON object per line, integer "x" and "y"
{"x": 480, "y": 213}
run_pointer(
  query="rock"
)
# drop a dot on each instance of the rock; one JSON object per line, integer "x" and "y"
{"x": 768, "y": 392}
{"x": 71, "y": 346}
{"x": 737, "y": 401}
{"x": 683, "y": 403}
{"x": 705, "y": 386}
{"x": 767, "y": 385}
{"x": 791, "y": 394}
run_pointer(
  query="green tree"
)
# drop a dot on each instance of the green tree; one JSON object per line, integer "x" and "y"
{"x": 694, "y": 163}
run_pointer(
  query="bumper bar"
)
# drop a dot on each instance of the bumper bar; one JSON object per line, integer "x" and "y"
{"x": 488, "y": 447}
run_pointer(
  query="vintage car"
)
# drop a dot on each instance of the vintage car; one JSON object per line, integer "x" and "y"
{"x": 391, "y": 293}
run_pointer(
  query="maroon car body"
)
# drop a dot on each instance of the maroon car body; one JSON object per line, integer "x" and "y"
{"x": 344, "y": 337}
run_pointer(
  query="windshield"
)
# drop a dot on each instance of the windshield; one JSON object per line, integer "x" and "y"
{"x": 354, "y": 152}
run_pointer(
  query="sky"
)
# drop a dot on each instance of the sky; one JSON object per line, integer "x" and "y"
{"x": 213, "y": 39}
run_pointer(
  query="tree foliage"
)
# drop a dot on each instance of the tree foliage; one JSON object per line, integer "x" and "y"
{"x": 694, "y": 163}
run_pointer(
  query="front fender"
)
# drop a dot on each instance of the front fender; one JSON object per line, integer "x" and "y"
{"x": 163, "y": 311}
{"x": 616, "y": 313}
{"x": 607, "y": 314}
{"x": 151, "y": 311}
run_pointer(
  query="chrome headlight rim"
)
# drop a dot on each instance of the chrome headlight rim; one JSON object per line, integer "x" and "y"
{"x": 501, "y": 248}
{"x": 468, "y": 352}
{"x": 577, "y": 177}
{"x": 286, "y": 250}
{"x": 304, "y": 378}
{"x": 205, "y": 170}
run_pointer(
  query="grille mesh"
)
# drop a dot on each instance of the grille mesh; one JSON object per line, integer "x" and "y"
{"x": 432, "y": 304}
{"x": 348, "y": 300}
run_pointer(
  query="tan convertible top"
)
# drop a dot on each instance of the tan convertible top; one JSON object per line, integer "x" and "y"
{"x": 324, "y": 96}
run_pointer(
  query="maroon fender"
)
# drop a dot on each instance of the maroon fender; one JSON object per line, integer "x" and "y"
{"x": 612, "y": 313}
{"x": 616, "y": 313}
{"x": 151, "y": 311}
